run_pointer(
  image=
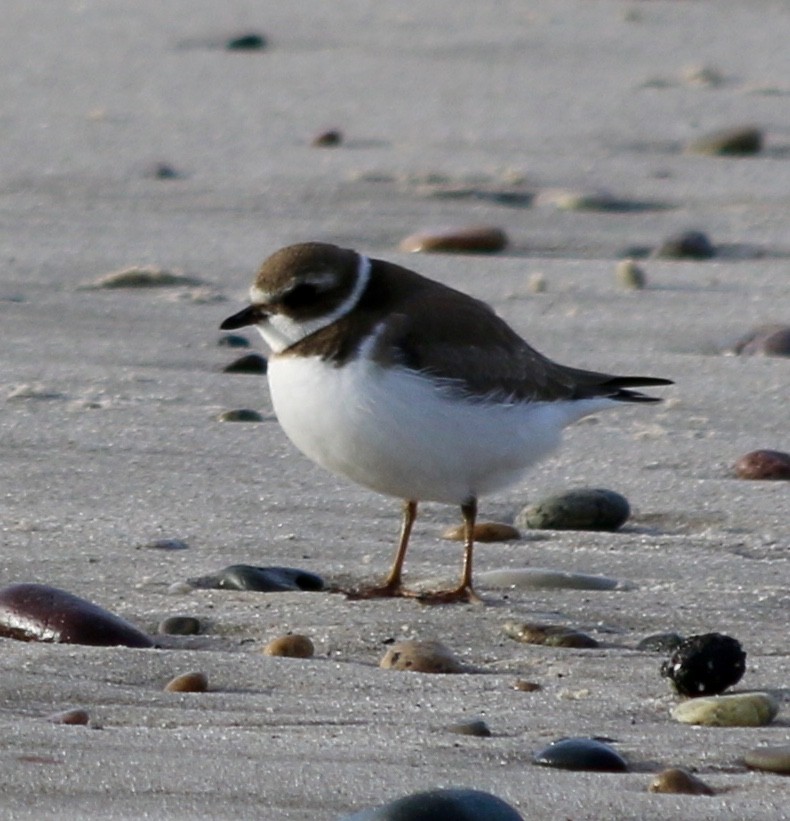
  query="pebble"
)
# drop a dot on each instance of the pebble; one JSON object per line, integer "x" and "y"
{"x": 705, "y": 665}
{"x": 194, "y": 682}
{"x": 249, "y": 41}
{"x": 456, "y": 804}
{"x": 677, "y": 780}
{"x": 525, "y": 686}
{"x": 166, "y": 544}
{"x": 421, "y": 657}
{"x": 484, "y": 532}
{"x": 581, "y": 754}
{"x": 75, "y": 717}
{"x": 240, "y": 415}
{"x": 327, "y": 139}
{"x": 261, "y": 579}
{"x": 686, "y": 245}
{"x": 550, "y": 635}
{"x": 472, "y": 726}
{"x": 770, "y": 465}
{"x": 250, "y": 363}
{"x": 568, "y": 200}
{"x": 660, "y": 643}
{"x": 774, "y": 759}
{"x": 146, "y": 276}
{"x": 535, "y": 578}
{"x": 702, "y": 75}
{"x": 537, "y": 284}
{"x": 741, "y": 141}
{"x": 233, "y": 341}
{"x": 736, "y": 710}
{"x": 630, "y": 275}
{"x": 37, "y": 612}
{"x": 179, "y": 626}
{"x": 162, "y": 171}
{"x": 765, "y": 340}
{"x": 474, "y": 239}
{"x": 582, "y": 509}
{"x": 294, "y": 645}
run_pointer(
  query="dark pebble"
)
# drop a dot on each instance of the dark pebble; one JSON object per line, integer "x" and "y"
{"x": 741, "y": 141}
{"x": 37, "y": 612}
{"x": 550, "y": 635}
{"x": 687, "y": 245}
{"x": 775, "y": 759}
{"x": 261, "y": 579}
{"x": 240, "y": 415}
{"x": 250, "y": 363}
{"x": 581, "y": 754}
{"x": 76, "y": 717}
{"x": 677, "y": 780}
{"x": 473, "y": 726}
{"x": 705, "y": 665}
{"x": 166, "y": 544}
{"x": 246, "y": 42}
{"x": 162, "y": 171}
{"x": 327, "y": 139}
{"x": 583, "y": 509}
{"x": 475, "y": 239}
{"x": 660, "y": 643}
{"x": 763, "y": 464}
{"x": 179, "y": 626}
{"x": 233, "y": 341}
{"x": 764, "y": 340}
{"x": 457, "y": 804}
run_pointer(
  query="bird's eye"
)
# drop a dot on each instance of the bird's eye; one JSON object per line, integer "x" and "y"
{"x": 301, "y": 296}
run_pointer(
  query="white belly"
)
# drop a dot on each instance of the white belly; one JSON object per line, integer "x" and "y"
{"x": 395, "y": 432}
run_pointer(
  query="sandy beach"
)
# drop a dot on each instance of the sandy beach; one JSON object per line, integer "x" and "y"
{"x": 133, "y": 137}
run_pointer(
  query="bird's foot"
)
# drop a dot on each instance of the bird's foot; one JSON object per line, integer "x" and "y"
{"x": 464, "y": 594}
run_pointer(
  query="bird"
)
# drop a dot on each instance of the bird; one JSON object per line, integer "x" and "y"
{"x": 411, "y": 388}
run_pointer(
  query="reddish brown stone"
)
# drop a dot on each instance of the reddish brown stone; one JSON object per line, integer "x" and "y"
{"x": 763, "y": 464}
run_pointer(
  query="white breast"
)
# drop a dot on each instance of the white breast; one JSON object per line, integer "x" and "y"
{"x": 398, "y": 433}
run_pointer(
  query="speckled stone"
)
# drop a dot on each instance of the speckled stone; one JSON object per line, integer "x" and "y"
{"x": 550, "y": 635}
{"x": 473, "y": 239}
{"x": 587, "y": 754}
{"x": 741, "y": 141}
{"x": 261, "y": 579}
{"x": 37, "y": 612}
{"x": 677, "y": 780}
{"x": 736, "y": 710}
{"x": 293, "y": 645}
{"x": 660, "y": 643}
{"x": 772, "y": 339}
{"x": 705, "y": 665}
{"x": 582, "y": 509}
{"x": 421, "y": 657}
{"x": 484, "y": 532}
{"x": 249, "y": 363}
{"x": 194, "y": 682}
{"x": 686, "y": 245}
{"x": 774, "y": 759}
{"x": 240, "y": 415}
{"x": 456, "y": 804}
{"x": 763, "y": 465}
{"x": 536, "y": 578}
{"x": 179, "y": 626}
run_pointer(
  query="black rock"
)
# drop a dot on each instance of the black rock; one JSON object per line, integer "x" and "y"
{"x": 456, "y": 804}
{"x": 179, "y": 626}
{"x": 251, "y": 41}
{"x": 581, "y": 754}
{"x": 705, "y": 665}
{"x": 233, "y": 341}
{"x": 688, "y": 245}
{"x": 261, "y": 579}
{"x": 250, "y": 363}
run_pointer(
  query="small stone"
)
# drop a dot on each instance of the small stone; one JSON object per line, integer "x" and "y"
{"x": 526, "y": 686}
{"x": 327, "y": 139}
{"x": 76, "y": 717}
{"x": 550, "y": 635}
{"x": 473, "y": 726}
{"x": 260, "y": 579}
{"x": 775, "y": 759}
{"x": 37, "y": 612}
{"x": 240, "y": 415}
{"x": 660, "y": 643}
{"x": 441, "y": 805}
{"x": 146, "y": 276}
{"x": 293, "y": 645}
{"x": 686, "y": 245}
{"x": 705, "y": 665}
{"x": 179, "y": 626}
{"x": 765, "y": 340}
{"x": 535, "y": 578}
{"x": 251, "y": 363}
{"x": 233, "y": 341}
{"x": 736, "y": 710}
{"x": 773, "y": 465}
{"x": 166, "y": 544}
{"x": 677, "y": 780}
{"x": 630, "y": 275}
{"x": 484, "y": 532}
{"x": 162, "y": 171}
{"x": 742, "y": 141}
{"x": 421, "y": 657}
{"x": 701, "y": 75}
{"x": 582, "y": 509}
{"x": 475, "y": 239}
{"x": 567, "y": 200}
{"x": 581, "y": 754}
{"x": 536, "y": 284}
{"x": 250, "y": 41}
{"x": 194, "y": 682}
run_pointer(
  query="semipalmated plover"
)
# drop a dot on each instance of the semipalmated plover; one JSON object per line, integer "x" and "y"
{"x": 409, "y": 387}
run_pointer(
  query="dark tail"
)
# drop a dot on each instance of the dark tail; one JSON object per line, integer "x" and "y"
{"x": 617, "y": 388}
